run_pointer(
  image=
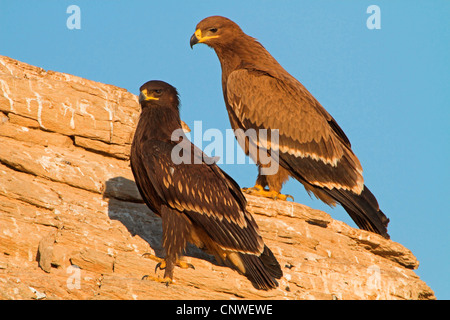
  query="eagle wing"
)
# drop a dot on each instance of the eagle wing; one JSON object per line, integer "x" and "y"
{"x": 311, "y": 144}
{"x": 207, "y": 195}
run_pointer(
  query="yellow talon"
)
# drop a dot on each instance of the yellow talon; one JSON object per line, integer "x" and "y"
{"x": 184, "y": 265}
{"x": 180, "y": 264}
{"x": 258, "y": 190}
{"x": 152, "y": 257}
{"x": 284, "y": 197}
{"x": 161, "y": 263}
{"x": 165, "y": 280}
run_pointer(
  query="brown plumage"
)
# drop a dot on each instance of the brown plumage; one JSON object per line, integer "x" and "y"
{"x": 260, "y": 94}
{"x": 197, "y": 201}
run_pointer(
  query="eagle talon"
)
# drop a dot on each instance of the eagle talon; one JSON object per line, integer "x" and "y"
{"x": 184, "y": 265}
{"x": 254, "y": 190}
{"x": 160, "y": 265}
{"x": 165, "y": 280}
{"x": 258, "y": 190}
{"x": 152, "y": 257}
{"x": 283, "y": 197}
{"x": 181, "y": 264}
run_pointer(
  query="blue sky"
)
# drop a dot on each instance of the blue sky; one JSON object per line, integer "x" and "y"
{"x": 389, "y": 89}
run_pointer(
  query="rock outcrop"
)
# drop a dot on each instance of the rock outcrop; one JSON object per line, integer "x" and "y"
{"x": 73, "y": 226}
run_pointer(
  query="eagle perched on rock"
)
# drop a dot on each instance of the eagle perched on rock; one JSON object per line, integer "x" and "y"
{"x": 197, "y": 201}
{"x": 260, "y": 94}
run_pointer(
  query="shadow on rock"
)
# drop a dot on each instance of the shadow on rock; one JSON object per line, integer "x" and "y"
{"x": 126, "y": 205}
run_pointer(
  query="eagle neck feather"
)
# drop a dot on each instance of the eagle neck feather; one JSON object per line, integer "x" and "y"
{"x": 245, "y": 52}
{"x": 156, "y": 122}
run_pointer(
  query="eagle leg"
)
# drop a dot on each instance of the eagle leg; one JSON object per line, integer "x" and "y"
{"x": 176, "y": 228}
{"x": 258, "y": 190}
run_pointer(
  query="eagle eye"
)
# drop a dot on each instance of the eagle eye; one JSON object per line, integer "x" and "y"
{"x": 213, "y": 30}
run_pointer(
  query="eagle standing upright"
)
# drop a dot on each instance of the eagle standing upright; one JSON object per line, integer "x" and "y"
{"x": 260, "y": 94}
{"x": 197, "y": 201}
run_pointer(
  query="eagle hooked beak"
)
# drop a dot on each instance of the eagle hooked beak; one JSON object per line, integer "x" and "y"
{"x": 194, "y": 40}
{"x": 143, "y": 96}
{"x": 198, "y": 38}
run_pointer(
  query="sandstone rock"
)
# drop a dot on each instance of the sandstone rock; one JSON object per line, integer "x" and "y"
{"x": 73, "y": 226}
{"x": 45, "y": 251}
{"x": 116, "y": 150}
{"x": 30, "y": 135}
{"x": 67, "y": 104}
{"x": 92, "y": 260}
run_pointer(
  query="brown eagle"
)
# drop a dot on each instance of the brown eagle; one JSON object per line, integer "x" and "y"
{"x": 197, "y": 201}
{"x": 312, "y": 148}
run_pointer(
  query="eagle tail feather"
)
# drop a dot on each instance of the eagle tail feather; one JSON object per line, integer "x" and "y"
{"x": 262, "y": 270}
{"x": 363, "y": 209}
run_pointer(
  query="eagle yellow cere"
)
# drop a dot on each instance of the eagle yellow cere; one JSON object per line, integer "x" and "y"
{"x": 197, "y": 201}
{"x": 260, "y": 94}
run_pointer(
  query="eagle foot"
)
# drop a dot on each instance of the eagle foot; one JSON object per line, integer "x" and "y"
{"x": 161, "y": 263}
{"x": 258, "y": 190}
{"x": 179, "y": 263}
{"x": 152, "y": 257}
{"x": 283, "y": 197}
{"x": 165, "y": 280}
